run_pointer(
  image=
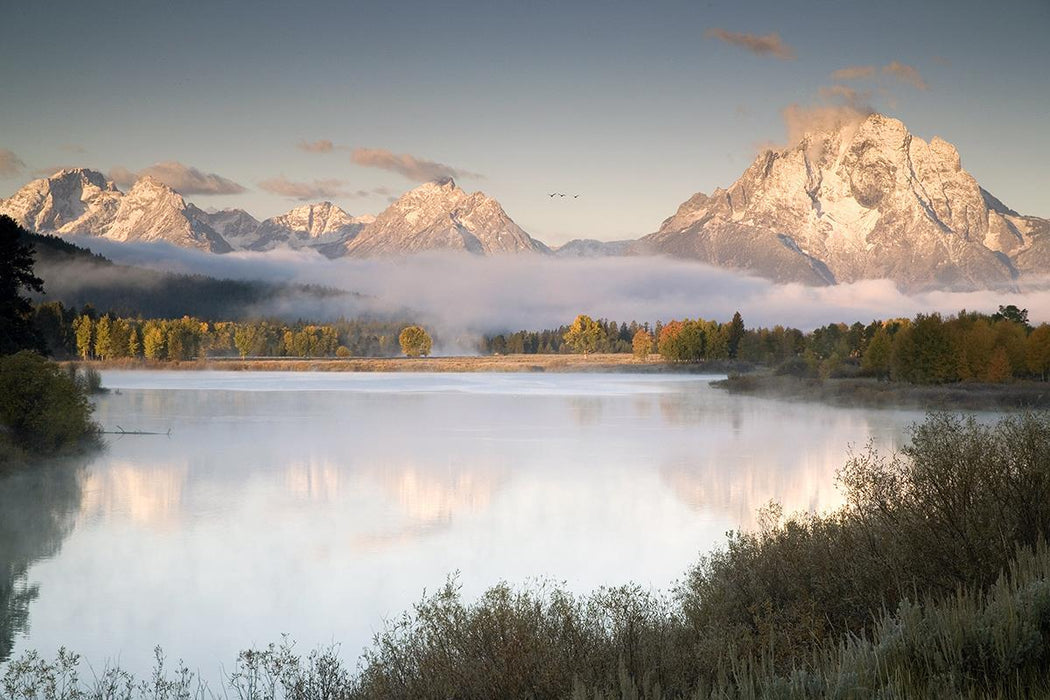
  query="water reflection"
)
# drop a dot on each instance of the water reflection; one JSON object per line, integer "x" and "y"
{"x": 319, "y": 504}
{"x": 37, "y": 512}
{"x": 145, "y": 495}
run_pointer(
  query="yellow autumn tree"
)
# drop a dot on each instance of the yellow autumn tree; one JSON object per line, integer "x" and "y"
{"x": 415, "y": 341}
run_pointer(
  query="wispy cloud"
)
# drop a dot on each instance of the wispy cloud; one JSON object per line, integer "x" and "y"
{"x": 801, "y": 120}
{"x": 896, "y": 69}
{"x": 845, "y": 93}
{"x": 905, "y": 73}
{"x": 854, "y": 73}
{"x": 74, "y": 148}
{"x": 770, "y": 44}
{"x": 49, "y": 170}
{"x": 316, "y": 189}
{"x": 408, "y": 166}
{"x": 10, "y": 164}
{"x": 184, "y": 179}
{"x": 321, "y": 146}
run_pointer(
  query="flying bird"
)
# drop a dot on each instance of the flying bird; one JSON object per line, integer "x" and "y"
{"x": 560, "y": 194}
{"x": 576, "y": 196}
{"x": 552, "y": 194}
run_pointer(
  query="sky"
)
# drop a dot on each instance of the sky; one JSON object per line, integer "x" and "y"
{"x": 633, "y": 106}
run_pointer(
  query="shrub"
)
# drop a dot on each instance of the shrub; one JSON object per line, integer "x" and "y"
{"x": 42, "y": 410}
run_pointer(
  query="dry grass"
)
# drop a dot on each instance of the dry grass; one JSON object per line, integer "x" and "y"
{"x": 609, "y": 362}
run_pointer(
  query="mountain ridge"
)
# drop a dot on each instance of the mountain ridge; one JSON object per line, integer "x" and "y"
{"x": 863, "y": 199}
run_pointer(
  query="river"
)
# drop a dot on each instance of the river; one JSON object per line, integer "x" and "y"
{"x": 319, "y": 505}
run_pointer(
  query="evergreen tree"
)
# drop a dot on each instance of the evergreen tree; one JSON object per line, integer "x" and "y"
{"x": 735, "y": 335}
{"x": 16, "y": 276}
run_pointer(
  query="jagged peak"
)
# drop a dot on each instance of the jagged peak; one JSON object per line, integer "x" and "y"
{"x": 93, "y": 176}
{"x": 443, "y": 185}
{"x": 325, "y": 206}
{"x": 149, "y": 182}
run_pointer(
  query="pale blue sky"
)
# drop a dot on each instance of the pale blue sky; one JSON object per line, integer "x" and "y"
{"x": 628, "y": 104}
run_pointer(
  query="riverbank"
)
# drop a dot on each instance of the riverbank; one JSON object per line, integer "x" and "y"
{"x": 857, "y": 391}
{"x": 608, "y": 362}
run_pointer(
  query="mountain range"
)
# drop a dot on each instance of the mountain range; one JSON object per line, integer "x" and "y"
{"x": 863, "y": 200}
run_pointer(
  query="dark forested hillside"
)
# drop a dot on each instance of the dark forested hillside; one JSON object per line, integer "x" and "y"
{"x": 75, "y": 276}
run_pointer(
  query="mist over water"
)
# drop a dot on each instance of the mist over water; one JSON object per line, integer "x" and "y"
{"x": 319, "y": 505}
{"x": 459, "y": 295}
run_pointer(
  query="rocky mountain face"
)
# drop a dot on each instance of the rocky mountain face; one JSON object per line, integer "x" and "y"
{"x": 235, "y": 225}
{"x": 437, "y": 215}
{"x": 82, "y": 202}
{"x": 591, "y": 248}
{"x": 152, "y": 211}
{"x": 311, "y": 225}
{"x": 863, "y": 200}
{"x": 866, "y": 200}
{"x": 441, "y": 216}
{"x": 70, "y": 202}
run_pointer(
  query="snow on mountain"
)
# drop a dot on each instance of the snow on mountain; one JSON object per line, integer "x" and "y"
{"x": 152, "y": 211}
{"x": 235, "y": 225}
{"x": 866, "y": 200}
{"x": 441, "y": 216}
{"x": 863, "y": 200}
{"x": 322, "y": 226}
{"x": 591, "y": 248}
{"x": 70, "y": 202}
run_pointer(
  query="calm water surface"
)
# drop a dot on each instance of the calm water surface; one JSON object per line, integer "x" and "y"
{"x": 319, "y": 504}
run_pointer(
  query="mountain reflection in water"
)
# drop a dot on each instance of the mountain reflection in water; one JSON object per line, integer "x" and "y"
{"x": 319, "y": 505}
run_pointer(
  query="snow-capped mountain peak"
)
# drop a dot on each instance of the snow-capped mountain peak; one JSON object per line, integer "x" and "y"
{"x": 865, "y": 199}
{"x": 439, "y": 215}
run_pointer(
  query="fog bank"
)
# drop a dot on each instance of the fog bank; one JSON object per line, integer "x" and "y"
{"x": 459, "y": 293}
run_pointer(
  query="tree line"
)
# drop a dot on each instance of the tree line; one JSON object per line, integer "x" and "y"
{"x": 89, "y": 335}
{"x": 926, "y": 349}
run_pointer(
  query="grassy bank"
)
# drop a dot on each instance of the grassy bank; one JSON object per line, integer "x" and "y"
{"x": 855, "y": 391}
{"x": 608, "y": 362}
{"x": 933, "y": 580}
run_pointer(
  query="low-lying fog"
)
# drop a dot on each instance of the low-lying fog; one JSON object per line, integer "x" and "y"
{"x": 460, "y": 293}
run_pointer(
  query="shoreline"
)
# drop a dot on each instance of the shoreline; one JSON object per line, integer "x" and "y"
{"x": 595, "y": 363}
{"x": 873, "y": 393}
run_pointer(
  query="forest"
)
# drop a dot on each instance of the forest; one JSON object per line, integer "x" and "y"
{"x": 927, "y": 349}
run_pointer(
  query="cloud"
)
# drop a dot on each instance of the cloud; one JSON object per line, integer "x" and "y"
{"x": 322, "y": 146}
{"x": 184, "y": 179}
{"x": 845, "y": 93}
{"x": 906, "y": 74}
{"x": 900, "y": 71}
{"x": 48, "y": 171}
{"x": 854, "y": 73}
{"x": 801, "y": 120}
{"x": 10, "y": 164}
{"x": 770, "y": 44}
{"x": 74, "y": 148}
{"x": 459, "y": 294}
{"x": 317, "y": 189}
{"x": 415, "y": 169}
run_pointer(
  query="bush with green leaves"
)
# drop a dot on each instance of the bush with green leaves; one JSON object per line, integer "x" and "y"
{"x": 43, "y": 410}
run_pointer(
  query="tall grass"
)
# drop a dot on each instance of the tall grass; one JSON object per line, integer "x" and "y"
{"x": 932, "y": 581}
